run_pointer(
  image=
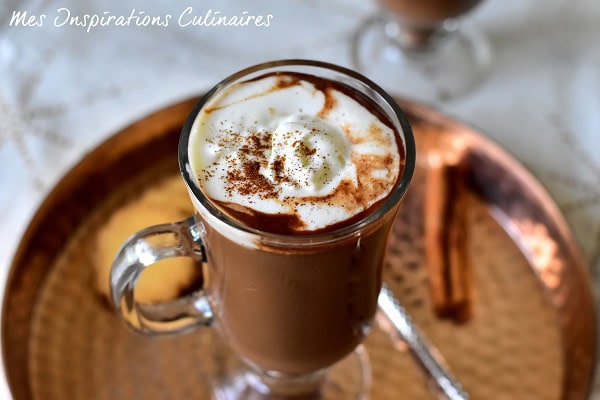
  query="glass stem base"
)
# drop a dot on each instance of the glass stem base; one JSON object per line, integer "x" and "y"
{"x": 350, "y": 378}
{"x": 429, "y": 64}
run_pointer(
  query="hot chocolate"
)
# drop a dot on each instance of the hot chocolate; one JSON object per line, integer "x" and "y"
{"x": 294, "y": 155}
{"x": 428, "y": 12}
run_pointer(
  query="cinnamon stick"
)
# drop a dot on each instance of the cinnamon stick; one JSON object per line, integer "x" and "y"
{"x": 459, "y": 261}
{"x": 445, "y": 239}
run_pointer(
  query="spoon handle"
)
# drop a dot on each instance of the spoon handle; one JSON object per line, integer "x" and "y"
{"x": 392, "y": 315}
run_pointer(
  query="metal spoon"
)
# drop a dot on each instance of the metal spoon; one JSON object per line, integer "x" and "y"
{"x": 393, "y": 317}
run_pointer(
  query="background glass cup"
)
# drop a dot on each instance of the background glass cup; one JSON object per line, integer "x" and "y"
{"x": 421, "y": 50}
{"x": 289, "y": 306}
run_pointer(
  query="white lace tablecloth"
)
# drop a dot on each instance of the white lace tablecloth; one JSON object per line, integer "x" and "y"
{"x": 63, "y": 90}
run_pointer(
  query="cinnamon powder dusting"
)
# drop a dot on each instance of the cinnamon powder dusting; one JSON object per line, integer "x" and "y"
{"x": 249, "y": 181}
{"x": 246, "y": 178}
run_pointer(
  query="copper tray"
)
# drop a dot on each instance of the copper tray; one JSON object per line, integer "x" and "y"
{"x": 532, "y": 335}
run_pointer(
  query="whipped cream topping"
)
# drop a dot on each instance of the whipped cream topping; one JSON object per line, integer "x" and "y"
{"x": 309, "y": 157}
{"x": 293, "y": 148}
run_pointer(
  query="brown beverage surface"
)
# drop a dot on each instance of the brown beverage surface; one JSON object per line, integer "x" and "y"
{"x": 294, "y": 309}
{"x": 425, "y": 12}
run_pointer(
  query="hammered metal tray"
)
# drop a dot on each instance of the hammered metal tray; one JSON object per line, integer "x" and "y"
{"x": 531, "y": 335}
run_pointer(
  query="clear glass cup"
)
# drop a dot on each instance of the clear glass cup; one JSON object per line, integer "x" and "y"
{"x": 292, "y": 308}
{"x": 421, "y": 50}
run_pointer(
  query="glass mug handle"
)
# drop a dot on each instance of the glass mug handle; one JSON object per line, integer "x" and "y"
{"x": 143, "y": 249}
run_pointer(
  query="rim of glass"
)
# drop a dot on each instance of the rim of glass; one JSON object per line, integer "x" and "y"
{"x": 320, "y": 237}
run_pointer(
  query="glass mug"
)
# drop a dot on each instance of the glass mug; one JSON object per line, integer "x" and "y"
{"x": 423, "y": 50}
{"x": 289, "y": 306}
